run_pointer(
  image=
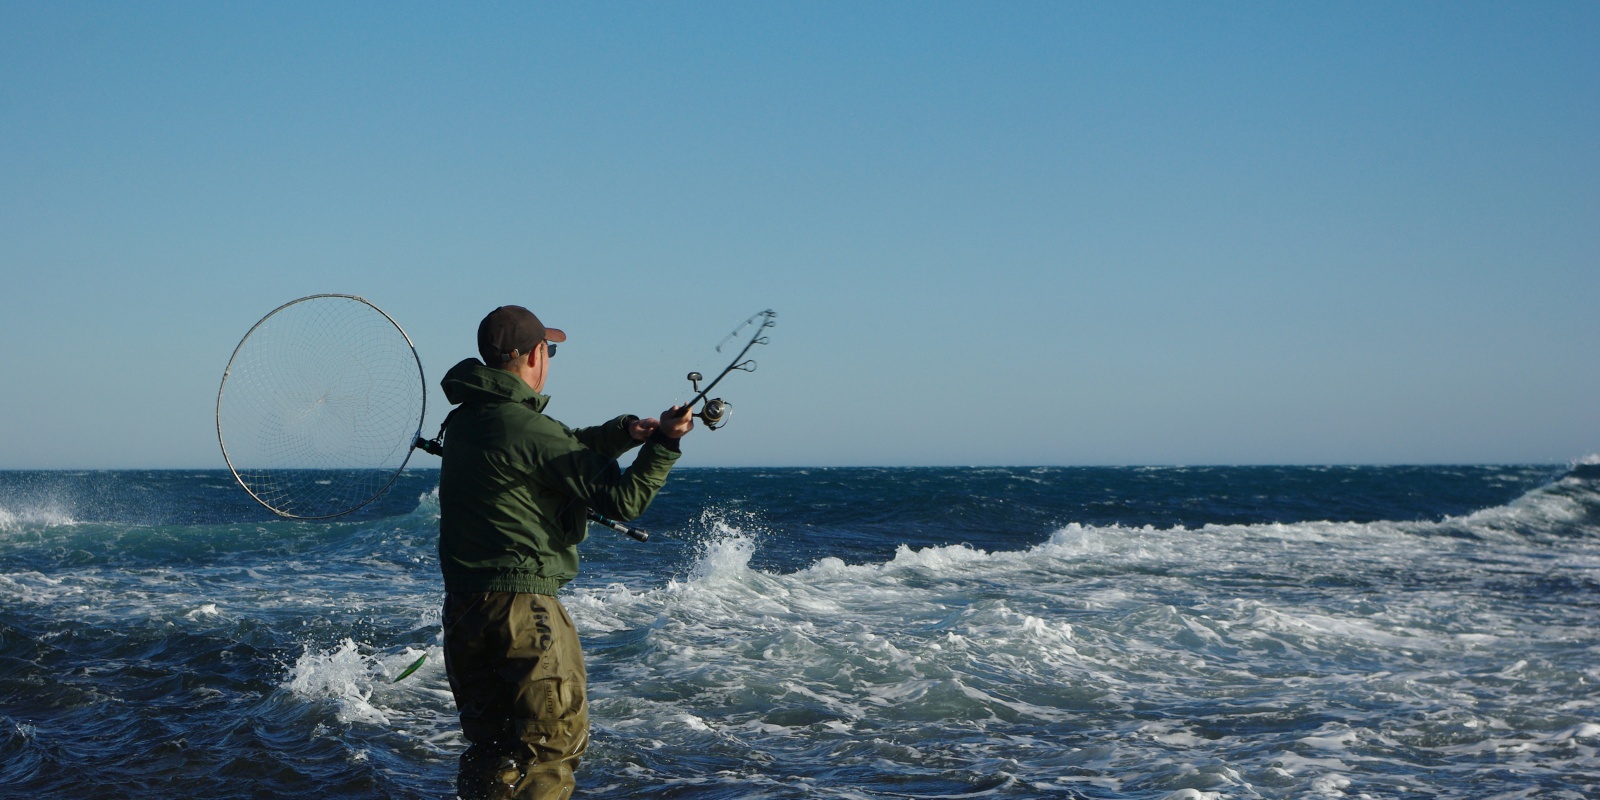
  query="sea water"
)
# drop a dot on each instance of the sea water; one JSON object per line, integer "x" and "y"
{"x": 1249, "y": 632}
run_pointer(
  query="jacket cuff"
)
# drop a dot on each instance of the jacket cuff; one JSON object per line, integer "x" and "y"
{"x": 622, "y": 440}
{"x": 657, "y": 437}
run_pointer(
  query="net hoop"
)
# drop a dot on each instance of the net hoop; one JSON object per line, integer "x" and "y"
{"x": 324, "y": 476}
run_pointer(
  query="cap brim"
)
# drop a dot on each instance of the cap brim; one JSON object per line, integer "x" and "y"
{"x": 555, "y": 335}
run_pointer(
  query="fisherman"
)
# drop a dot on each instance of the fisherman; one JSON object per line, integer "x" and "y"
{"x": 515, "y": 487}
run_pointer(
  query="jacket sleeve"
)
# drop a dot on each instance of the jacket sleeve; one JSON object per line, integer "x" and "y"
{"x": 592, "y": 477}
{"x": 611, "y": 438}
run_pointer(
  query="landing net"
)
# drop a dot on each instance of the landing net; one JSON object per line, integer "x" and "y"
{"x": 319, "y": 406}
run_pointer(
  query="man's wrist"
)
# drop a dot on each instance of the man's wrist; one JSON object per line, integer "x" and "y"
{"x": 657, "y": 437}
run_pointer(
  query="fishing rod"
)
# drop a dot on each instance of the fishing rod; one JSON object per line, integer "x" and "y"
{"x": 716, "y": 410}
{"x": 714, "y": 413}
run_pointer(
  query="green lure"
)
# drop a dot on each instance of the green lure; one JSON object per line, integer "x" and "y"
{"x": 413, "y": 668}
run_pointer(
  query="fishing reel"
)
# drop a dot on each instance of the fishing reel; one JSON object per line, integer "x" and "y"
{"x": 716, "y": 410}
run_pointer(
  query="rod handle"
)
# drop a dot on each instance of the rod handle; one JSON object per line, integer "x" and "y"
{"x": 639, "y": 534}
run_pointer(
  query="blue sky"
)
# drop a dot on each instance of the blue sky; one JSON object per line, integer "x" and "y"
{"x": 995, "y": 233}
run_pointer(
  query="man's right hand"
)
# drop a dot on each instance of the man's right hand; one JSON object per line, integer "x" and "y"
{"x": 676, "y": 421}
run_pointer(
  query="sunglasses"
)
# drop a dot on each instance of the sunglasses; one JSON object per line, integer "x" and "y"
{"x": 549, "y": 349}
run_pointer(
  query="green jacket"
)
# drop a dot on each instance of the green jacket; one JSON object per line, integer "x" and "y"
{"x": 515, "y": 485}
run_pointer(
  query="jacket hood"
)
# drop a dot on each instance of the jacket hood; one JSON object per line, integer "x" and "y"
{"x": 471, "y": 381}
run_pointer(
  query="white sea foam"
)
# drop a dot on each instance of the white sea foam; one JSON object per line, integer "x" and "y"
{"x": 939, "y": 640}
{"x": 35, "y": 588}
{"x": 1316, "y": 659}
{"x": 344, "y": 676}
{"x": 360, "y": 682}
{"x": 427, "y": 505}
{"x": 205, "y": 610}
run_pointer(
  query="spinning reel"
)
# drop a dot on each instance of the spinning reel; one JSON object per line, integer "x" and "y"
{"x": 716, "y": 410}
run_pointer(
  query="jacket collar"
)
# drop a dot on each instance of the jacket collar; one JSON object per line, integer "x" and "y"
{"x": 471, "y": 381}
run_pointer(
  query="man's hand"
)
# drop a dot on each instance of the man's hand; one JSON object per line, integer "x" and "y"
{"x": 640, "y": 429}
{"x": 675, "y": 422}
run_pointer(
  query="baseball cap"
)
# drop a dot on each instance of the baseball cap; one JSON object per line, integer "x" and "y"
{"x": 512, "y": 328}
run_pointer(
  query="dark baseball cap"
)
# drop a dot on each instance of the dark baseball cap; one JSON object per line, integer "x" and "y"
{"x": 510, "y": 329}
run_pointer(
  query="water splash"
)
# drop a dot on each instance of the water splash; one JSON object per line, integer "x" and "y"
{"x": 34, "y": 518}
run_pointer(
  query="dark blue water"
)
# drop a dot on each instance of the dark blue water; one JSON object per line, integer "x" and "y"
{"x": 1054, "y": 632}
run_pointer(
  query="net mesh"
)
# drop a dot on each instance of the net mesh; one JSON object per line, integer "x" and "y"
{"x": 319, "y": 406}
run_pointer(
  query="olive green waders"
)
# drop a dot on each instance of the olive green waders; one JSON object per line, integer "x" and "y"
{"x": 517, "y": 673}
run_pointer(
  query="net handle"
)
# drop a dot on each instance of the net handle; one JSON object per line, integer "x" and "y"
{"x": 422, "y": 387}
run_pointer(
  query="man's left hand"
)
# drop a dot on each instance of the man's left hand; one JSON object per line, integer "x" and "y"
{"x": 640, "y": 429}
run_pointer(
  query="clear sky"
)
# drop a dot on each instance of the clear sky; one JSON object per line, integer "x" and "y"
{"x": 995, "y": 233}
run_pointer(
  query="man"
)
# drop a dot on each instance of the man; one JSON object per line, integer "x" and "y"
{"x": 515, "y": 487}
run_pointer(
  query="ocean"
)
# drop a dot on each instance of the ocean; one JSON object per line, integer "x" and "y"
{"x": 1182, "y": 633}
